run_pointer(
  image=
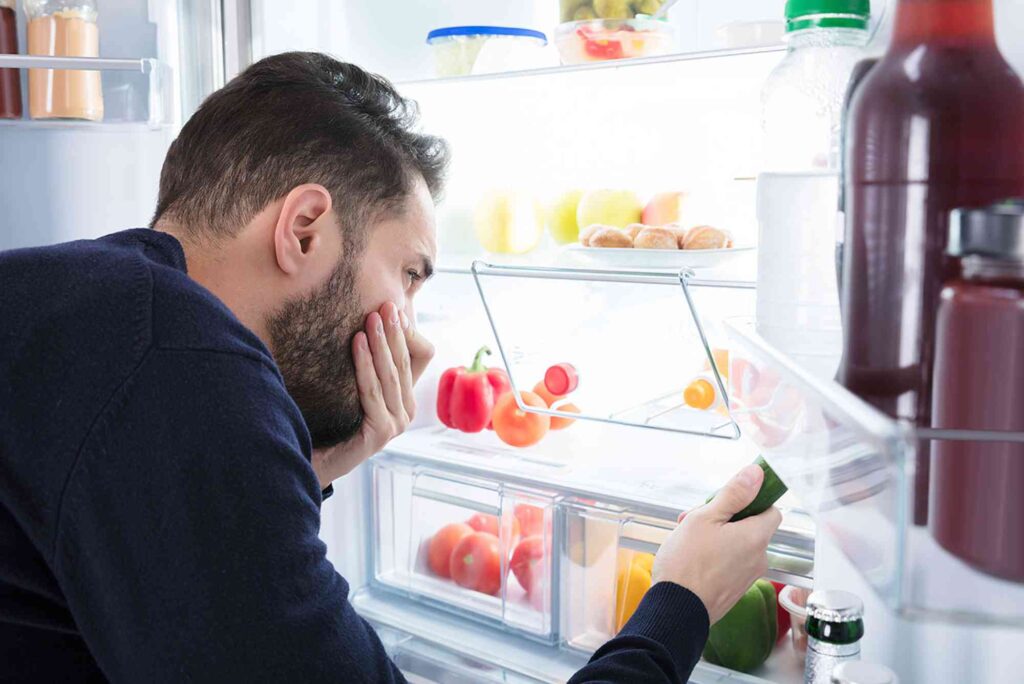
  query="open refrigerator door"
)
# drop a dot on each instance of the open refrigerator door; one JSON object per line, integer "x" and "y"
{"x": 101, "y": 107}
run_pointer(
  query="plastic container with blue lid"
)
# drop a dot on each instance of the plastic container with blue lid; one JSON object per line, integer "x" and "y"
{"x": 464, "y": 50}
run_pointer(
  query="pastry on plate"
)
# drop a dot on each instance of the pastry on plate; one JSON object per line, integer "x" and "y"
{"x": 679, "y": 232}
{"x": 707, "y": 237}
{"x": 654, "y": 237}
{"x": 633, "y": 229}
{"x": 610, "y": 237}
{"x": 588, "y": 233}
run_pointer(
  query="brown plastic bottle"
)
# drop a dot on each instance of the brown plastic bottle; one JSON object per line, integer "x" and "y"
{"x": 977, "y": 511}
{"x": 10, "y": 79}
{"x": 937, "y": 124}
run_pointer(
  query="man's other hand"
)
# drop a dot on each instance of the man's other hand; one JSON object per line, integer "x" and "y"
{"x": 390, "y": 355}
{"x": 715, "y": 559}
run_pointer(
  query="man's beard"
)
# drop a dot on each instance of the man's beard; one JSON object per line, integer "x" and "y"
{"x": 312, "y": 343}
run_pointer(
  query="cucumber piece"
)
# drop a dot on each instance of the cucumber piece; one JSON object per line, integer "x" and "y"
{"x": 772, "y": 489}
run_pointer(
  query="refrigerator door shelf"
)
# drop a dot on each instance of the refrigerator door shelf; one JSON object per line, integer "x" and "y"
{"x": 135, "y": 91}
{"x": 852, "y": 468}
{"x": 635, "y": 338}
{"x": 508, "y": 583}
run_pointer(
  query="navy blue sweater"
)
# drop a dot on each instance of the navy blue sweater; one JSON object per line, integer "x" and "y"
{"x": 158, "y": 511}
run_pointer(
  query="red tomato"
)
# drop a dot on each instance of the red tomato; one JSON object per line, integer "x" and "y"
{"x": 485, "y": 522}
{"x": 517, "y": 427}
{"x": 784, "y": 619}
{"x": 531, "y": 519}
{"x": 527, "y": 563}
{"x": 541, "y": 390}
{"x": 439, "y": 551}
{"x": 560, "y": 423}
{"x": 561, "y": 379}
{"x": 476, "y": 563}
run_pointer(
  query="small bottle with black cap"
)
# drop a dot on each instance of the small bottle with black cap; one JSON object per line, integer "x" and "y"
{"x": 835, "y": 626}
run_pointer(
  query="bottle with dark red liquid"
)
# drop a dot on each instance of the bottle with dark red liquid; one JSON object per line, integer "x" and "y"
{"x": 976, "y": 503}
{"x": 10, "y": 83}
{"x": 937, "y": 124}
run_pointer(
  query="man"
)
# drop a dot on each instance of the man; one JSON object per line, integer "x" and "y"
{"x": 173, "y": 401}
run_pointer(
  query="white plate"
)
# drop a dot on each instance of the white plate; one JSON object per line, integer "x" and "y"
{"x": 649, "y": 259}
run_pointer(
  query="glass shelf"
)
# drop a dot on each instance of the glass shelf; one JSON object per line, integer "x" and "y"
{"x": 609, "y": 65}
{"x": 135, "y": 91}
{"x": 634, "y": 344}
{"x": 852, "y": 468}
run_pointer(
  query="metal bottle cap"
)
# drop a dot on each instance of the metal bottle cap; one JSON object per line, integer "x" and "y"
{"x": 834, "y": 606}
{"x": 860, "y": 672}
{"x": 995, "y": 231}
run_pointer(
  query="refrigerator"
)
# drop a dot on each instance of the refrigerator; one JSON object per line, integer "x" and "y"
{"x": 605, "y": 491}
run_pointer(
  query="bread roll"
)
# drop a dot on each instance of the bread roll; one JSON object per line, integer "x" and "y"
{"x": 654, "y": 237}
{"x": 679, "y": 232}
{"x": 610, "y": 237}
{"x": 588, "y": 233}
{"x": 707, "y": 237}
{"x": 633, "y": 229}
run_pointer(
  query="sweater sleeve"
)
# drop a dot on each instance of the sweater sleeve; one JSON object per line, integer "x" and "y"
{"x": 660, "y": 644}
{"x": 188, "y": 545}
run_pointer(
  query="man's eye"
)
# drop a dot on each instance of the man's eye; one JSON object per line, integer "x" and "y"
{"x": 414, "y": 276}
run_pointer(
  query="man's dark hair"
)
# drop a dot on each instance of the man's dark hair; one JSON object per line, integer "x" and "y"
{"x": 290, "y": 119}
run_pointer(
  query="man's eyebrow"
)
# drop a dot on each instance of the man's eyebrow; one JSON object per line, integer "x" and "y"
{"x": 428, "y": 267}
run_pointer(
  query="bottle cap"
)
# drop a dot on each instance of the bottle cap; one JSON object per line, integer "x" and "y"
{"x": 995, "y": 231}
{"x": 699, "y": 394}
{"x": 804, "y": 14}
{"x": 860, "y": 672}
{"x": 834, "y": 606}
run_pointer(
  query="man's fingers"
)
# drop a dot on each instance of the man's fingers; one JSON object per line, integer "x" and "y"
{"x": 421, "y": 351}
{"x": 736, "y": 494}
{"x": 400, "y": 354}
{"x": 371, "y": 396}
{"x": 765, "y": 523}
{"x": 387, "y": 374}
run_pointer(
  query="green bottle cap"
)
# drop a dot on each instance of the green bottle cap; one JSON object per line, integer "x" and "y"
{"x": 804, "y": 14}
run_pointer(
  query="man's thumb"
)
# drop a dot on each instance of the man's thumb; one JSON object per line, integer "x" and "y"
{"x": 737, "y": 493}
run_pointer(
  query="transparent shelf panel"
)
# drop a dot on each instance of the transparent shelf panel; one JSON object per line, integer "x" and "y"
{"x": 852, "y": 468}
{"x": 635, "y": 339}
{"x": 135, "y": 91}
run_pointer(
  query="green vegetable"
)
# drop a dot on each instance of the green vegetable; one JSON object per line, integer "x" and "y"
{"x": 745, "y": 637}
{"x": 772, "y": 489}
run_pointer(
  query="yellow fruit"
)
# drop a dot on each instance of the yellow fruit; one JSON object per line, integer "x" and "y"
{"x": 508, "y": 222}
{"x": 584, "y": 14}
{"x": 617, "y": 208}
{"x": 632, "y": 582}
{"x": 562, "y": 218}
{"x": 613, "y": 9}
{"x": 647, "y": 6}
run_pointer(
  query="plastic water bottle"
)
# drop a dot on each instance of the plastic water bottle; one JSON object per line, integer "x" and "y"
{"x": 798, "y": 191}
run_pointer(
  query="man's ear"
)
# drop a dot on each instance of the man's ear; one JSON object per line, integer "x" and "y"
{"x": 299, "y": 233}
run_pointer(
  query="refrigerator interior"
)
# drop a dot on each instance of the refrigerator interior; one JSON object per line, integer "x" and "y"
{"x": 602, "y": 492}
{"x": 608, "y": 490}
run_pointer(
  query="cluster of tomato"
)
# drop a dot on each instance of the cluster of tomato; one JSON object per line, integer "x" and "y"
{"x": 477, "y": 398}
{"x": 470, "y": 552}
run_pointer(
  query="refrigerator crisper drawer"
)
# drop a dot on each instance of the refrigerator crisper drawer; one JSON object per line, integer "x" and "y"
{"x": 504, "y": 580}
{"x": 606, "y": 570}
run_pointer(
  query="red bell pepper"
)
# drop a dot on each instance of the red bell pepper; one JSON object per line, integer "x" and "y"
{"x": 466, "y": 396}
